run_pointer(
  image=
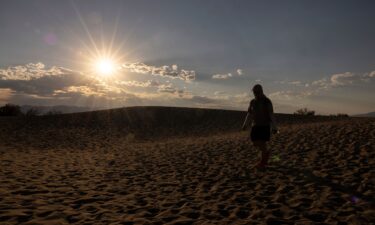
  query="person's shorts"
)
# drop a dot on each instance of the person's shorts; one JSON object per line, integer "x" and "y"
{"x": 260, "y": 133}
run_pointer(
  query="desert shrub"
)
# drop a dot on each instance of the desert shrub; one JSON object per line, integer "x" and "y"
{"x": 10, "y": 110}
{"x": 32, "y": 112}
{"x": 304, "y": 112}
{"x": 339, "y": 115}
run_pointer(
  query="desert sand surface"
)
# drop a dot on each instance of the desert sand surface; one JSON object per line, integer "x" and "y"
{"x": 184, "y": 166}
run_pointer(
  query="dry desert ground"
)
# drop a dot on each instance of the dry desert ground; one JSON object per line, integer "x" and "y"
{"x": 184, "y": 166}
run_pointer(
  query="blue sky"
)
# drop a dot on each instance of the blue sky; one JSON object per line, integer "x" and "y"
{"x": 315, "y": 54}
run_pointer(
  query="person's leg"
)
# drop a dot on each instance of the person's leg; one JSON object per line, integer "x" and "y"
{"x": 262, "y": 146}
{"x": 265, "y": 153}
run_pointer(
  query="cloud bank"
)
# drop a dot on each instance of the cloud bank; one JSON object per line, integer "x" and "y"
{"x": 165, "y": 71}
{"x": 36, "y": 83}
{"x": 31, "y": 71}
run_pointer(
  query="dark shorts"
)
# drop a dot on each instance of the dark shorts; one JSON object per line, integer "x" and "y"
{"x": 260, "y": 133}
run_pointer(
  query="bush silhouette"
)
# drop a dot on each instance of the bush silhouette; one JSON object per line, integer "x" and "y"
{"x": 304, "y": 112}
{"x": 10, "y": 110}
{"x": 32, "y": 112}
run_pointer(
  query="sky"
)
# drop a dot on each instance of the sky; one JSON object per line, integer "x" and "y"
{"x": 206, "y": 54}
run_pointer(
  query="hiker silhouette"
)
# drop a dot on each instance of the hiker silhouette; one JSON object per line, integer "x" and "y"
{"x": 261, "y": 120}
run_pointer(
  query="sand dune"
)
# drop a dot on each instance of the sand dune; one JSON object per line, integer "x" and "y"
{"x": 189, "y": 167}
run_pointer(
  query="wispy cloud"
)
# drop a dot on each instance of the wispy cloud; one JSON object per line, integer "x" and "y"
{"x": 37, "y": 83}
{"x": 220, "y": 93}
{"x": 134, "y": 83}
{"x": 289, "y": 95}
{"x": 173, "y": 90}
{"x": 224, "y": 76}
{"x": 37, "y": 79}
{"x": 325, "y": 84}
{"x": 298, "y": 83}
{"x": 166, "y": 71}
{"x": 221, "y": 76}
{"x": 343, "y": 79}
{"x": 31, "y": 71}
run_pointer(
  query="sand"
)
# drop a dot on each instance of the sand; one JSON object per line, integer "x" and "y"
{"x": 320, "y": 173}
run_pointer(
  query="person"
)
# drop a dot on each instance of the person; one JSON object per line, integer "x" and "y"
{"x": 260, "y": 116}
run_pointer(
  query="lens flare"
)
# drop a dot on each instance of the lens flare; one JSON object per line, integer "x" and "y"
{"x": 354, "y": 199}
{"x": 275, "y": 158}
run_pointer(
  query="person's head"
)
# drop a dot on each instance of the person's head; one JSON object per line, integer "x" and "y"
{"x": 258, "y": 90}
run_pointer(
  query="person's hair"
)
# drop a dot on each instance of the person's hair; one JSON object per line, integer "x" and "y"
{"x": 258, "y": 88}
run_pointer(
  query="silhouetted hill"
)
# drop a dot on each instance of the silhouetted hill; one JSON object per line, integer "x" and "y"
{"x": 370, "y": 114}
{"x": 137, "y": 122}
{"x": 57, "y": 108}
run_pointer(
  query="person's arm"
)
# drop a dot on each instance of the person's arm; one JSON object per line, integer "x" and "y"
{"x": 246, "y": 122}
{"x": 272, "y": 117}
{"x": 248, "y": 118}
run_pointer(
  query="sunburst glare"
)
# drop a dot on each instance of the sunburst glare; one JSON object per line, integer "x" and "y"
{"x": 105, "y": 66}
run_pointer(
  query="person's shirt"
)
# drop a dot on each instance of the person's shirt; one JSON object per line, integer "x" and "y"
{"x": 261, "y": 110}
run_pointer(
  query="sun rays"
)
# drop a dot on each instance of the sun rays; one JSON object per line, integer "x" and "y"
{"x": 105, "y": 66}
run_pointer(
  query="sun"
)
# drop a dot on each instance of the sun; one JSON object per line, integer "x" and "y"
{"x": 105, "y": 66}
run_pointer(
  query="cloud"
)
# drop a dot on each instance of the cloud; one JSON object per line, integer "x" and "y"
{"x": 167, "y": 89}
{"x": 220, "y": 93}
{"x": 367, "y": 77}
{"x": 31, "y": 71}
{"x": 335, "y": 80}
{"x": 297, "y": 83}
{"x": 222, "y": 76}
{"x": 222, "y": 100}
{"x": 203, "y": 100}
{"x": 34, "y": 83}
{"x": 289, "y": 95}
{"x": 38, "y": 80}
{"x": 165, "y": 71}
{"x": 78, "y": 91}
{"x": 318, "y": 87}
{"x": 322, "y": 83}
{"x": 187, "y": 75}
{"x": 172, "y": 90}
{"x": 134, "y": 83}
{"x": 343, "y": 79}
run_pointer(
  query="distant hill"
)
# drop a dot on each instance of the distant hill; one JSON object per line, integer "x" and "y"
{"x": 370, "y": 114}
{"x": 62, "y": 109}
{"x": 149, "y": 122}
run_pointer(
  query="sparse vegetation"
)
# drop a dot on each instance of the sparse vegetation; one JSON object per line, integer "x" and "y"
{"x": 10, "y": 110}
{"x": 304, "y": 112}
{"x": 15, "y": 110}
{"x": 32, "y": 112}
{"x": 339, "y": 115}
